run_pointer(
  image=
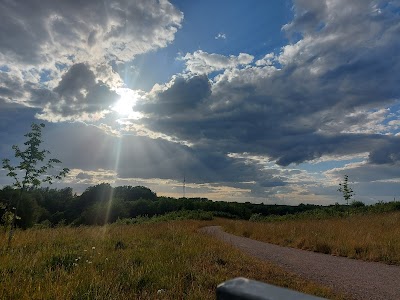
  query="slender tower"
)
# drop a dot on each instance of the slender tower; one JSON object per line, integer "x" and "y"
{"x": 184, "y": 186}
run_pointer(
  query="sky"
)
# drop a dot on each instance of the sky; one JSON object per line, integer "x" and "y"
{"x": 263, "y": 101}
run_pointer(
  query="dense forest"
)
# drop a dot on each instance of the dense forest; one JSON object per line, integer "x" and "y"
{"x": 102, "y": 204}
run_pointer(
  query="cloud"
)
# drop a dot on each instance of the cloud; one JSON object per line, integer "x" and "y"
{"x": 220, "y": 36}
{"x": 371, "y": 182}
{"x": 320, "y": 96}
{"x": 309, "y": 16}
{"x": 267, "y": 60}
{"x": 11, "y": 87}
{"x": 387, "y": 153}
{"x": 178, "y": 97}
{"x": 78, "y": 95}
{"x": 84, "y": 176}
{"x": 365, "y": 172}
{"x": 42, "y": 32}
{"x": 201, "y": 62}
{"x": 58, "y": 56}
{"x": 132, "y": 156}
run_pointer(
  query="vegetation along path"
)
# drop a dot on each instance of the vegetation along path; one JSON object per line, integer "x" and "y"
{"x": 359, "y": 279}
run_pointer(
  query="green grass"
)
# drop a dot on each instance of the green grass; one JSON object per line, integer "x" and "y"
{"x": 167, "y": 260}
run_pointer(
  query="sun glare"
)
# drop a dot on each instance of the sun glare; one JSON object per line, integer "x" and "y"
{"x": 127, "y": 100}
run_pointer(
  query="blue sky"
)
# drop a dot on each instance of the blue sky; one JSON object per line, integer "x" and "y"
{"x": 216, "y": 27}
{"x": 262, "y": 101}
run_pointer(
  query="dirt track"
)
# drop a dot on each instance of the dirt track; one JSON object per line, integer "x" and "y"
{"x": 361, "y": 280}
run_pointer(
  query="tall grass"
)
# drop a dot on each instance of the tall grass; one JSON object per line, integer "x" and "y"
{"x": 372, "y": 237}
{"x": 168, "y": 260}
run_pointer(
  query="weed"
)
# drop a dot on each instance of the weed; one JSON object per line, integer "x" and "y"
{"x": 221, "y": 262}
{"x": 142, "y": 283}
{"x": 119, "y": 245}
{"x": 246, "y": 233}
{"x": 323, "y": 248}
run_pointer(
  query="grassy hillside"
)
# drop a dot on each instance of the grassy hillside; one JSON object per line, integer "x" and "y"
{"x": 372, "y": 237}
{"x": 167, "y": 260}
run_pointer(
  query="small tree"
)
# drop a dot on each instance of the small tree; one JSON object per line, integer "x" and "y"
{"x": 345, "y": 189}
{"x": 32, "y": 169}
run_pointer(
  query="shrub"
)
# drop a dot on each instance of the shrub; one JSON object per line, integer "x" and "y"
{"x": 357, "y": 204}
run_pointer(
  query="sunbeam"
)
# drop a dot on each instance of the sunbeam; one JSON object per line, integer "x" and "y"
{"x": 117, "y": 155}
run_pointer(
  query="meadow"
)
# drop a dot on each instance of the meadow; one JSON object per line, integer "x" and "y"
{"x": 370, "y": 236}
{"x": 162, "y": 260}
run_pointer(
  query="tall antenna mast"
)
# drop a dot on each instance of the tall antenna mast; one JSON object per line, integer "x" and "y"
{"x": 184, "y": 186}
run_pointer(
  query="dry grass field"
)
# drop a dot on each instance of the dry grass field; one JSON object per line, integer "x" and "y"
{"x": 167, "y": 260}
{"x": 371, "y": 237}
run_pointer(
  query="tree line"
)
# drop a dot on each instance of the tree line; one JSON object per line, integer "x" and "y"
{"x": 103, "y": 203}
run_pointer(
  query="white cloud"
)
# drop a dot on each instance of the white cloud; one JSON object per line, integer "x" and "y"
{"x": 220, "y": 36}
{"x": 395, "y": 124}
{"x": 66, "y": 32}
{"x": 360, "y": 121}
{"x": 267, "y": 60}
{"x": 201, "y": 62}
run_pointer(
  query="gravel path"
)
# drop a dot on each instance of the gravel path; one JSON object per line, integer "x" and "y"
{"x": 359, "y": 279}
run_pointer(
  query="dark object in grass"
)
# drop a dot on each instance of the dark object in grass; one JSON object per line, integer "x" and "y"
{"x": 221, "y": 262}
{"x": 119, "y": 245}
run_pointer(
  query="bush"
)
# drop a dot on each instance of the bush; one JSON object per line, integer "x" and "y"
{"x": 256, "y": 217}
{"x": 357, "y": 204}
{"x": 43, "y": 225}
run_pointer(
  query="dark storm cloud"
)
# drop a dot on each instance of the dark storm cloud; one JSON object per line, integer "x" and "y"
{"x": 17, "y": 40}
{"x": 388, "y": 153}
{"x": 82, "y": 147}
{"x": 181, "y": 96}
{"x": 317, "y": 98}
{"x": 79, "y": 92}
{"x": 11, "y": 87}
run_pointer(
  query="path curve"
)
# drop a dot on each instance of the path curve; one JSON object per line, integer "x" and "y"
{"x": 360, "y": 279}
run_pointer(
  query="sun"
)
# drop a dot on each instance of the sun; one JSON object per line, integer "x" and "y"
{"x": 124, "y": 106}
{"x": 126, "y": 101}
